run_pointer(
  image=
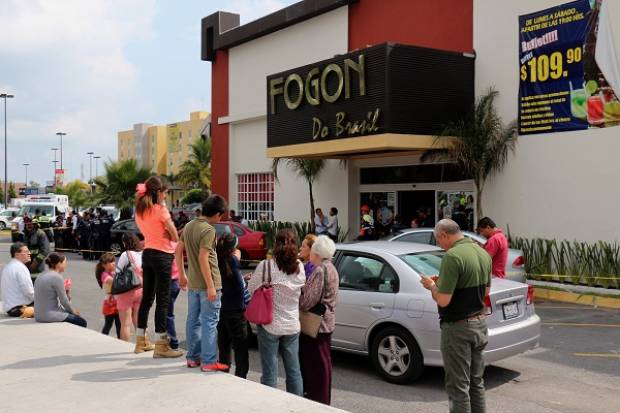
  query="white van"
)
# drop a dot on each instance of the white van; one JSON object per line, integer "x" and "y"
{"x": 49, "y": 207}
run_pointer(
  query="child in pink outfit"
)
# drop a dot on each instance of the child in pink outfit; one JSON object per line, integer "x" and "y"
{"x": 104, "y": 273}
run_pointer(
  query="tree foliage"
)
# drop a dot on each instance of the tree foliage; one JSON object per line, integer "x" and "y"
{"x": 308, "y": 169}
{"x": 478, "y": 143}
{"x": 194, "y": 196}
{"x": 12, "y": 192}
{"x": 118, "y": 185}
{"x": 195, "y": 172}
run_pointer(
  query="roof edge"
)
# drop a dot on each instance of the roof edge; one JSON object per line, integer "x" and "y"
{"x": 222, "y": 30}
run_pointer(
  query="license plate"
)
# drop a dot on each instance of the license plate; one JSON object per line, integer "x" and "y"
{"x": 511, "y": 310}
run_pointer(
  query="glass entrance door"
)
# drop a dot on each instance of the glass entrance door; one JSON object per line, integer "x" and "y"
{"x": 458, "y": 206}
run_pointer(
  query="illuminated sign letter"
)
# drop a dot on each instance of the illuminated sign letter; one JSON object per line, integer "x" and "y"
{"x": 275, "y": 88}
{"x": 295, "y": 78}
{"x": 358, "y": 67}
{"x": 332, "y": 67}
{"x": 312, "y": 87}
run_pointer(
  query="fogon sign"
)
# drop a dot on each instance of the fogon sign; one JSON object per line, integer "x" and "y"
{"x": 372, "y": 91}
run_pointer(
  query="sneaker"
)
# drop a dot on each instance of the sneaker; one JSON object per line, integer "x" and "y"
{"x": 214, "y": 367}
{"x": 192, "y": 364}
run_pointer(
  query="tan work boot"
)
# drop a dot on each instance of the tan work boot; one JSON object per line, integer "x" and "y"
{"x": 163, "y": 350}
{"x": 143, "y": 344}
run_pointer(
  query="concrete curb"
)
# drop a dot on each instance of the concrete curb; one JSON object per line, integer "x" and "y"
{"x": 576, "y": 298}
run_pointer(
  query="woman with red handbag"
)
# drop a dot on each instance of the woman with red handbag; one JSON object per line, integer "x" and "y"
{"x": 284, "y": 275}
{"x": 104, "y": 273}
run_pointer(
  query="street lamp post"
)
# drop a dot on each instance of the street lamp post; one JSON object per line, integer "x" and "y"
{"x": 61, "y": 134}
{"x": 5, "y": 96}
{"x": 90, "y": 160}
{"x": 26, "y": 165}
{"x": 54, "y": 162}
{"x": 96, "y": 158}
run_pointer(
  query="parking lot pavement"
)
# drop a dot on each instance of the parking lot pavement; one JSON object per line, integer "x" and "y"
{"x": 576, "y": 368}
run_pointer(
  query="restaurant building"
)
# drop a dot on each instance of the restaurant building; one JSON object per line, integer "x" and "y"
{"x": 365, "y": 85}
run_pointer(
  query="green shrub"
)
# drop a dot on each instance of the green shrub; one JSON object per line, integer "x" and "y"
{"x": 271, "y": 228}
{"x": 595, "y": 264}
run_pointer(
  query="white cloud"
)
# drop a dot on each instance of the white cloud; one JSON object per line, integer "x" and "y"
{"x": 66, "y": 62}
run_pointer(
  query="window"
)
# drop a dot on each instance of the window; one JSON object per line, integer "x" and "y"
{"x": 255, "y": 196}
{"x": 427, "y": 263}
{"x": 367, "y": 274}
{"x": 238, "y": 231}
{"x": 422, "y": 237}
{"x": 221, "y": 229}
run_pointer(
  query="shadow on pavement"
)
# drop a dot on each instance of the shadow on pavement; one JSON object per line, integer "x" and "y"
{"x": 56, "y": 361}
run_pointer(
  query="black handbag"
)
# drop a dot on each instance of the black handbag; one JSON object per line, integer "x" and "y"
{"x": 126, "y": 279}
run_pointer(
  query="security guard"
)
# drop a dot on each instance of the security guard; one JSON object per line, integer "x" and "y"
{"x": 464, "y": 280}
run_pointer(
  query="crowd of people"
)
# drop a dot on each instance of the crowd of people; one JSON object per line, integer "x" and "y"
{"x": 218, "y": 294}
{"x": 301, "y": 281}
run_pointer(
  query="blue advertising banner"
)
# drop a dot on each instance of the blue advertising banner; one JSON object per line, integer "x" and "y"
{"x": 568, "y": 69}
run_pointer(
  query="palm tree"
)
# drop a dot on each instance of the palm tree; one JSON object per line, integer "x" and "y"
{"x": 196, "y": 171}
{"x": 172, "y": 180}
{"x": 118, "y": 185}
{"x": 478, "y": 143}
{"x": 308, "y": 169}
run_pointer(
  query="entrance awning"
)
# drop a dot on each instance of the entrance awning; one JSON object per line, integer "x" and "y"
{"x": 373, "y": 144}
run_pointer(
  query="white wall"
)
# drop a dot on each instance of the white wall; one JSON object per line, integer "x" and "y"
{"x": 560, "y": 185}
{"x": 249, "y": 65}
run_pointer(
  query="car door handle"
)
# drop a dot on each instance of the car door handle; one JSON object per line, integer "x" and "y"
{"x": 377, "y": 306}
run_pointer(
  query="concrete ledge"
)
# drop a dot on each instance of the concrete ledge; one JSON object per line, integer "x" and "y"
{"x": 62, "y": 368}
{"x": 551, "y": 293}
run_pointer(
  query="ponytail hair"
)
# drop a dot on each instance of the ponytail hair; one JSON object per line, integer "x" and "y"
{"x": 146, "y": 194}
{"x": 99, "y": 269}
{"x": 54, "y": 259}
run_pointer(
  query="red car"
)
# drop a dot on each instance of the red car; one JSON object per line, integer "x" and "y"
{"x": 252, "y": 244}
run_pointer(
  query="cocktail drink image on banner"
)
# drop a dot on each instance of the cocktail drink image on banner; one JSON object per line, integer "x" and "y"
{"x": 595, "y": 110}
{"x": 578, "y": 102}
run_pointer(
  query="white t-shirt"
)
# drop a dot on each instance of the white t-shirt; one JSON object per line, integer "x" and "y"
{"x": 332, "y": 228}
{"x": 16, "y": 285}
{"x": 123, "y": 260}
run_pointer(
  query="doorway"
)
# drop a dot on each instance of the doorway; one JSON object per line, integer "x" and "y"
{"x": 419, "y": 205}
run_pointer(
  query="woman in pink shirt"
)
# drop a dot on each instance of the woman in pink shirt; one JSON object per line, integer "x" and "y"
{"x": 155, "y": 223}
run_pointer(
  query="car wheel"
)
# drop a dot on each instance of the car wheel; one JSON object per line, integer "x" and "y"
{"x": 2, "y": 226}
{"x": 396, "y": 356}
{"x": 116, "y": 248}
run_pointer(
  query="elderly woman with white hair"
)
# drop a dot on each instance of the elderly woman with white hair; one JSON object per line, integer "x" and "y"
{"x": 315, "y": 353}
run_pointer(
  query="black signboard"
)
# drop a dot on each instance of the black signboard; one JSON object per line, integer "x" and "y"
{"x": 388, "y": 88}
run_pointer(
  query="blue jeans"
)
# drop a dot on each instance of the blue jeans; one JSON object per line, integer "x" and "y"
{"x": 201, "y": 327}
{"x": 170, "y": 326}
{"x": 288, "y": 346}
{"x": 75, "y": 319}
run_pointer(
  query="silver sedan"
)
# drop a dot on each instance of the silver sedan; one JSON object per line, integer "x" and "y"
{"x": 384, "y": 311}
{"x": 515, "y": 265}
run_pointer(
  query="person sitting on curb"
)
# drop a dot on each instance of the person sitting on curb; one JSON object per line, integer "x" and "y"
{"x": 51, "y": 303}
{"x": 16, "y": 285}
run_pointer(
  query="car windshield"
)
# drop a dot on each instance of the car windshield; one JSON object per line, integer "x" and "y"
{"x": 427, "y": 263}
{"x": 30, "y": 210}
{"x": 221, "y": 229}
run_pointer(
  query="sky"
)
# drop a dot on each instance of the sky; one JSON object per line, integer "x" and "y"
{"x": 93, "y": 68}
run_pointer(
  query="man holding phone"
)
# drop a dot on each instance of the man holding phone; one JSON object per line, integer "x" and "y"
{"x": 464, "y": 280}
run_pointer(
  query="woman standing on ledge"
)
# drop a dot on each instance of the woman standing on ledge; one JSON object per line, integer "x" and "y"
{"x": 155, "y": 223}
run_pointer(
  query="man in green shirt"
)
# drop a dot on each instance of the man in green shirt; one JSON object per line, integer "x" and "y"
{"x": 204, "y": 285}
{"x": 464, "y": 280}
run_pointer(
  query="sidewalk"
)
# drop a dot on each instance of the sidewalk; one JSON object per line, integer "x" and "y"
{"x": 62, "y": 368}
